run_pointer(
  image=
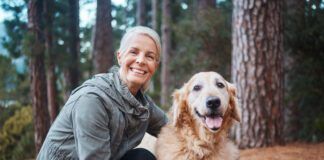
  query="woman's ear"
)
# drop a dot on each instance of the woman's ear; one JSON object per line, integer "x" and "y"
{"x": 234, "y": 105}
{"x": 178, "y": 106}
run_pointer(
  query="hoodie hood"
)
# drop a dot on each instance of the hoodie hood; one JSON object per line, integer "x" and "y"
{"x": 115, "y": 89}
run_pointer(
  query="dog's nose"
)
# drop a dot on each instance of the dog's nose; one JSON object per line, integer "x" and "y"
{"x": 213, "y": 102}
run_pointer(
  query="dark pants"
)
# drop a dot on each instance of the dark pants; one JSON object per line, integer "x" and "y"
{"x": 138, "y": 154}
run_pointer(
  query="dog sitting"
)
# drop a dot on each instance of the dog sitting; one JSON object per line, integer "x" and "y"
{"x": 202, "y": 113}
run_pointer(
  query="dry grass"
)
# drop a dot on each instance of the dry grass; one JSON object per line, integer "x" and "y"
{"x": 294, "y": 151}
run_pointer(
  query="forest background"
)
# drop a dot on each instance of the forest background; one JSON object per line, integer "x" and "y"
{"x": 46, "y": 51}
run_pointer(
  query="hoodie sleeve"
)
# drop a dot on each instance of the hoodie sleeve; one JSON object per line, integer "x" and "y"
{"x": 157, "y": 118}
{"x": 90, "y": 127}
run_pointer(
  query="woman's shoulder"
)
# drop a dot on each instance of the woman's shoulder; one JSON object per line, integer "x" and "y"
{"x": 97, "y": 87}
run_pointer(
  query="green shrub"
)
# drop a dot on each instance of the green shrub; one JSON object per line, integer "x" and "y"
{"x": 16, "y": 136}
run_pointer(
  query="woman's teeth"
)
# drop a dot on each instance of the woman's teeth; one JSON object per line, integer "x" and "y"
{"x": 137, "y": 71}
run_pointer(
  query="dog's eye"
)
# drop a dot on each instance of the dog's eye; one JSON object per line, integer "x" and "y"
{"x": 220, "y": 85}
{"x": 197, "y": 87}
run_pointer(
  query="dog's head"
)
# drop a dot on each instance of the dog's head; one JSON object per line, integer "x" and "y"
{"x": 208, "y": 98}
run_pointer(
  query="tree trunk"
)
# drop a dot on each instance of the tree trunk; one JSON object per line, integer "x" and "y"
{"x": 155, "y": 14}
{"x": 72, "y": 73}
{"x": 103, "y": 52}
{"x": 140, "y": 12}
{"x": 37, "y": 72}
{"x": 257, "y": 71}
{"x": 53, "y": 106}
{"x": 166, "y": 49}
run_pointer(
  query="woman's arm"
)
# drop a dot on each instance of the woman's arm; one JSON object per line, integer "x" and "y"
{"x": 91, "y": 129}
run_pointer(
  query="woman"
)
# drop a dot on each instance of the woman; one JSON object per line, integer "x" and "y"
{"x": 107, "y": 116}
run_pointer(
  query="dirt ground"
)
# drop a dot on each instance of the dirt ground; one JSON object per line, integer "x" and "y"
{"x": 293, "y": 151}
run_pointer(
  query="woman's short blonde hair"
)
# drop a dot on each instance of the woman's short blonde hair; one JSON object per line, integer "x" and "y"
{"x": 140, "y": 30}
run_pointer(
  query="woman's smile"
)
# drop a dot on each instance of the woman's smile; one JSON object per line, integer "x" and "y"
{"x": 138, "y": 71}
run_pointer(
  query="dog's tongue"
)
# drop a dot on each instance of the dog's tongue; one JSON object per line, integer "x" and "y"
{"x": 214, "y": 122}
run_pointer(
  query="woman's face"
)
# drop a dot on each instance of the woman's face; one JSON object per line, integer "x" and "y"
{"x": 139, "y": 62}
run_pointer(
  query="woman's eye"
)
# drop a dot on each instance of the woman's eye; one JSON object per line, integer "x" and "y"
{"x": 132, "y": 52}
{"x": 197, "y": 87}
{"x": 150, "y": 57}
{"x": 220, "y": 85}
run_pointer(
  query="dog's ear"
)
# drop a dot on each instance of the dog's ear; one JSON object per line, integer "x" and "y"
{"x": 179, "y": 105}
{"x": 233, "y": 102}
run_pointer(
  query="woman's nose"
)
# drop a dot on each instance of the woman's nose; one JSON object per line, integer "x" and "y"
{"x": 140, "y": 58}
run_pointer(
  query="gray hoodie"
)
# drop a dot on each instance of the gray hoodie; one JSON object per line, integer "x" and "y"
{"x": 101, "y": 120}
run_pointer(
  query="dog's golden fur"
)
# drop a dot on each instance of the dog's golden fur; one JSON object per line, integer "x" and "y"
{"x": 188, "y": 135}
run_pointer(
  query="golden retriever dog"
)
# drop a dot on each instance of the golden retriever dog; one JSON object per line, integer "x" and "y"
{"x": 202, "y": 113}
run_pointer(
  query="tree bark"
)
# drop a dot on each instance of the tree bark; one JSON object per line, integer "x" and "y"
{"x": 140, "y": 12}
{"x": 103, "y": 52}
{"x": 257, "y": 70}
{"x": 37, "y": 72}
{"x": 53, "y": 106}
{"x": 72, "y": 73}
{"x": 155, "y": 14}
{"x": 166, "y": 49}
